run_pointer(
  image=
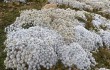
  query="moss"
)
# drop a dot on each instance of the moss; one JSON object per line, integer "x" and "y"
{"x": 81, "y": 19}
{"x": 63, "y": 6}
{"x": 89, "y": 24}
{"x": 6, "y": 21}
{"x": 102, "y": 58}
{"x": 106, "y": 15}
{"x": 103, "y": 27}
{"x": 67, "y": 6}
{"x": 60, "y": 66}
{"x": 26, "y": 26}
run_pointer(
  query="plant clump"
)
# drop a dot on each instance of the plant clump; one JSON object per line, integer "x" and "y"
{"x": 42, "y": 38}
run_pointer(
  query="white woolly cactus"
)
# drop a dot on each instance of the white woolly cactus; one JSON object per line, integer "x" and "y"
{"x": 51, "y": 18}
{"x": 85, "y": 4}
{"x": 88, "y": 40}
{"x": 103, "y": 69}
{"x": 44, "y": 18}
{"x": 74, "y": 54}
{"x": 100, "y": 22}
{"x": 39, "y": 38}
{"x": 105, "y": 37}
{"x": 33, "y": 47}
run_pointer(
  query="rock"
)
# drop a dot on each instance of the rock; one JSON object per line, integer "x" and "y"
{"x": 48, "y": 6}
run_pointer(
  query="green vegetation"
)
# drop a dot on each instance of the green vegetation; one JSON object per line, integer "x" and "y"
{"x": 67, "y": 6}
{"x": 102, "y": 57}
{"x": 6, "y": 18}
